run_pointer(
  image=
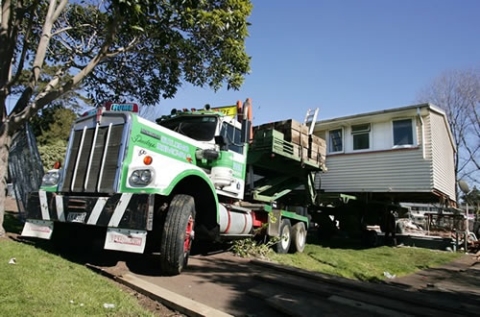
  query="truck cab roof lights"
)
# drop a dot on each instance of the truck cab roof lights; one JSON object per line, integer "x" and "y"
{"x": 109, "y": 106}
{"x": 128, "y": 107}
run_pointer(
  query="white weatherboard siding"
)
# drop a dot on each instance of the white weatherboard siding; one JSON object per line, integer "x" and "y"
{"x": 425, "y": 167}
{"x": 428, "y": 136}
{"x": 443, "y": 153}
{"x": 402, "y": 170}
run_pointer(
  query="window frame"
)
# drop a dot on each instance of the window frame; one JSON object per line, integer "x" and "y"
{"x": 342, "y": 140}
{"x": 412, "y": 131}
{"x": 235, "y": 143}
{"x": 361, "y": 132}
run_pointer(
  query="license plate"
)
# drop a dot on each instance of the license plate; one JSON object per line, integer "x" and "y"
{"x": 76, "y": 217}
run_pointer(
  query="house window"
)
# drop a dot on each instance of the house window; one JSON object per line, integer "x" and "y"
{"x": 361, "y": 136}
{"x": 335, "y": 141}
{"x": 402, "y": 132}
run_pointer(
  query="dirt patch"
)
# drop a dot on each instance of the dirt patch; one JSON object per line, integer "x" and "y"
{"x": 10, "y": 204}
{"x": 149, "y": 304}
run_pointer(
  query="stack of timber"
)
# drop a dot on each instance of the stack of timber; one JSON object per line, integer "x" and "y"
{"x": 308, "y": 147}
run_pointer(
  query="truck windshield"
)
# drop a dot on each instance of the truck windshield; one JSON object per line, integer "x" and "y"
{"x": 200, "y": 128}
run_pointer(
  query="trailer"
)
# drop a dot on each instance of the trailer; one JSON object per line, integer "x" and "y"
{"x": 198, "y": 175}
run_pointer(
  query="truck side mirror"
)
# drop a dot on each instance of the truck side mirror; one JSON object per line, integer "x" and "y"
{"x": 222, "y": 142}
{"x": 208, "y": 154}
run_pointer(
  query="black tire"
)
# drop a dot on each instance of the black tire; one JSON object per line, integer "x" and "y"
{"x": 326, "y": 228}
{"x": 178, "y": 234}
{"x": 370, "y": 238}
{"x": 283, "y": 245}
{"x": 299, "y": 238}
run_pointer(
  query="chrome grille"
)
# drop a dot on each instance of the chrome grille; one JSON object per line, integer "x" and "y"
{"x": 94, "y": 159}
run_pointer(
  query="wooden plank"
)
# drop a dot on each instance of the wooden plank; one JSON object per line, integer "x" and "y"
{"x": 301, "y": 152}
{"x": 296, "y": 137}
{"x": 317, "y": 151}
{"x": 318, "y": 140}
{"x": 291, "y": 125}
{"x": 170, "y": 299}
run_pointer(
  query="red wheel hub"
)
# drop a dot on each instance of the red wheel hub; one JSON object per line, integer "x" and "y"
{"x": 189, "y": 234}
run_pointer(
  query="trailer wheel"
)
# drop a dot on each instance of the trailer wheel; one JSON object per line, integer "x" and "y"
{"x": 177, "y": 235}
{"x": 370, "y": 238}
{"x": 299, "y": 238}
{"x": 283, "y": 245}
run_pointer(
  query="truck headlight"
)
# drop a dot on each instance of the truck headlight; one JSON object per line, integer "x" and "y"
{"x": 140, "y": 177}
{"x": 51, "y": 178}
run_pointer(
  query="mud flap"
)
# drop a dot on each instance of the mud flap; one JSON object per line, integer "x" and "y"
{"x": 274, "y": 223}
{"x": 38, "y": 229}
{"x": 125, "y": 240}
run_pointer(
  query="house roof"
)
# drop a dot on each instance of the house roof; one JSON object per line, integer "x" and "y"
{"x": 367, "y": 117}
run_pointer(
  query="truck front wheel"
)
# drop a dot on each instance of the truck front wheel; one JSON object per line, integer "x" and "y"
{"x": 283, "y": 245}
{"x": 178, "y": 234}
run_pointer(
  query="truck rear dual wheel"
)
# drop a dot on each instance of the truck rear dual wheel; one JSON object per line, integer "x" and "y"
{"x": 283, "y": 245}
{"x": 299, "y": 238}
{"x": 178, "y": 235}
{"x": 292, "y": 239}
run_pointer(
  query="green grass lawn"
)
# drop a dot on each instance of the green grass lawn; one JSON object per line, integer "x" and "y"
{"x": 365, "y": 264}
{"x": 44, "y": 284}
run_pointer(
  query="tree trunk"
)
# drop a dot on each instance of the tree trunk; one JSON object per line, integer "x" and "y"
{"x": 5, "y": 141}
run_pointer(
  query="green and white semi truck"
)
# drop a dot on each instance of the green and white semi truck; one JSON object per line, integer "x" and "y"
{"x": 154, "y": 187}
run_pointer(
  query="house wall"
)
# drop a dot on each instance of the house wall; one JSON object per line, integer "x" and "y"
{"x": 424, "y": 132}
{"x": 383, "y": 168}
{"x": 443, "y": 157}
{"x": 401, "y": 170}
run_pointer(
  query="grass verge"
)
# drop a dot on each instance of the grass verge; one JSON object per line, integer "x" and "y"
{"x": 44, "y": 284}
{"x": 365, "y": 264}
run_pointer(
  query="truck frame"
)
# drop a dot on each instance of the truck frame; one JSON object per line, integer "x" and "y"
{"x": 155, "y": 187}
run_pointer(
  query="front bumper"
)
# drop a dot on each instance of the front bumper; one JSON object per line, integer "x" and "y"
{"x": 126, "y": 217}
{"x": 132, "y": 211}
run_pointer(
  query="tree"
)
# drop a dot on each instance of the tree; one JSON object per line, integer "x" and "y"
{"x": 457, "y": 92}
{"x": 53, "y": 124}
{"x": 472, "y": 198}
{"x": 51, "y": 130}
{"x": 139, "y": 50}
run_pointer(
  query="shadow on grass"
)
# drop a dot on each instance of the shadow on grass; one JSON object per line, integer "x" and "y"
{"x": 11, "y": 223}
{"x": 84, "y": 245}
{"x": 342, "y": 242}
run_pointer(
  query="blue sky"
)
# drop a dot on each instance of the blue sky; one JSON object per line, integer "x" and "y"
{"x": 346, "y": 56}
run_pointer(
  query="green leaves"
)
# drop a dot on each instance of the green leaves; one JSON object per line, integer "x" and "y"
{"x": 134, "y": 50}
{"x": 200, "y": 42}
{"x": 53, "y": 125}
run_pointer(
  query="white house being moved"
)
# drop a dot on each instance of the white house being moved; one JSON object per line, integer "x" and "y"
{"x": 402, "y": 154}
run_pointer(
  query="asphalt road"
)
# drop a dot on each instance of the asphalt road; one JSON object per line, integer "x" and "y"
{"x": 225, "y": 283}
{"x": 220, "y": 281}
